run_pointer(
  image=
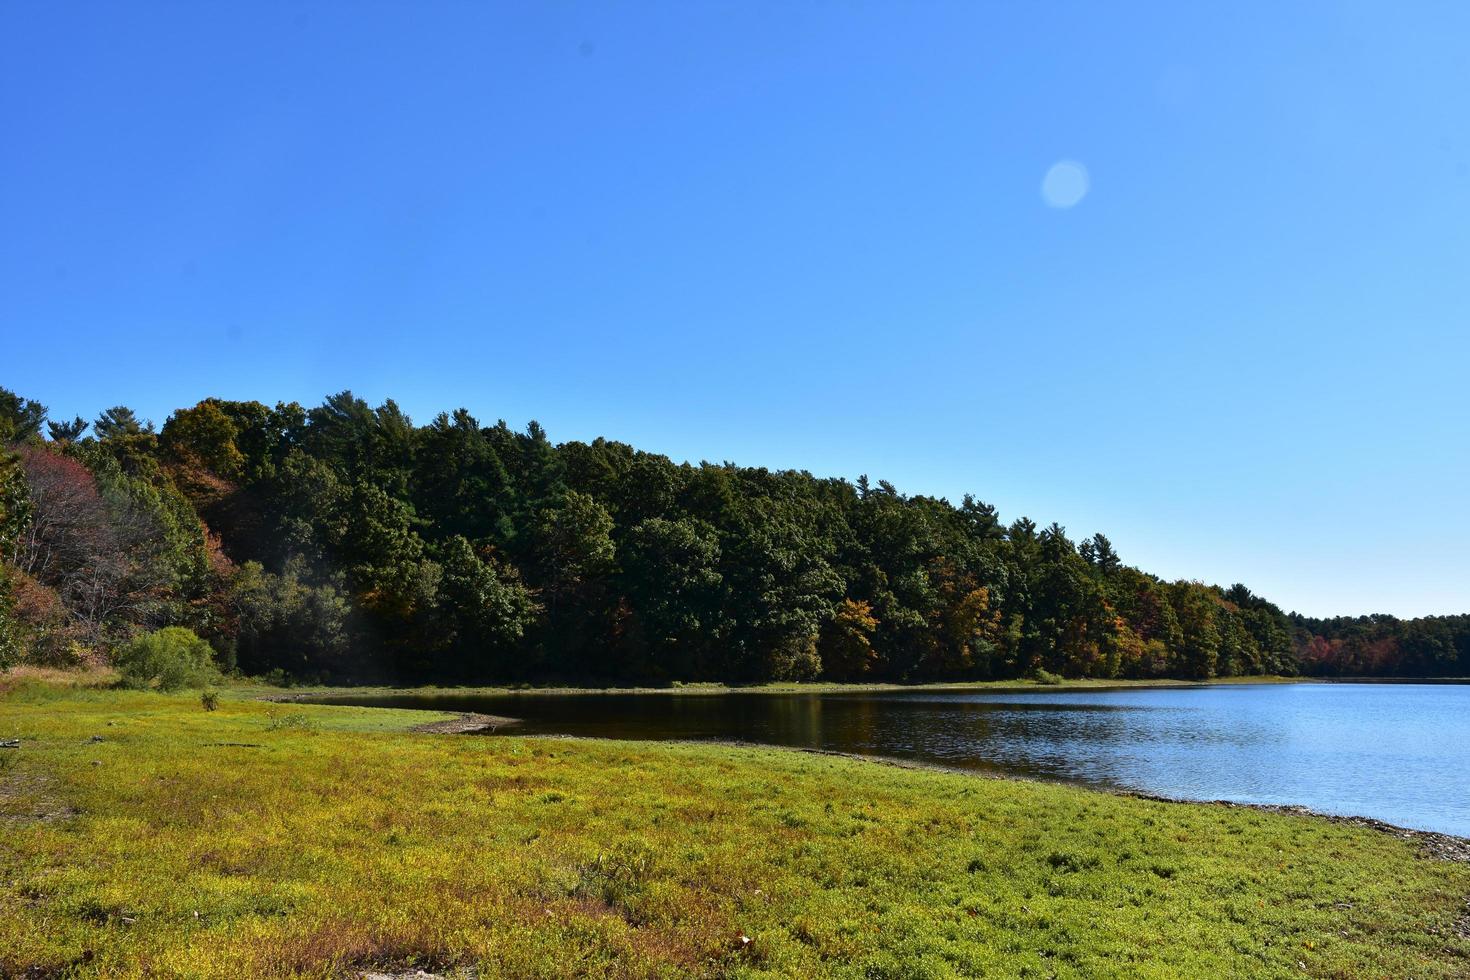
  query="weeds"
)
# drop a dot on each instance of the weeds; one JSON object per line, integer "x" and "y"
{"x": 293, "y": 722}
{"x": 615, "y": 879}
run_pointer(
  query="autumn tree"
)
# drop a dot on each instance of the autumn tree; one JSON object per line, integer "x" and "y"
{"x": 847, "y": 641}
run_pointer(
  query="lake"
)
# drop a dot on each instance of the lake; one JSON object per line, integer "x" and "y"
{"x": 1396, "y": 752}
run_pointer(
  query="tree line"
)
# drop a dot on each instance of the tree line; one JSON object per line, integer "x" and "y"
{"x": 344, "y": 543}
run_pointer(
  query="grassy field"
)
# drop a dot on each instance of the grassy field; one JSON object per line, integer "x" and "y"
{"x": 269, "y": 840}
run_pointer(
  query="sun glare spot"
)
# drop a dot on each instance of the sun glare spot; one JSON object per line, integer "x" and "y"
{"x": 1065, "y": 184}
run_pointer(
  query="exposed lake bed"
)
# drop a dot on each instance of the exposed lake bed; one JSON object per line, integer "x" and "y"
{"x": 1386, "y": 752}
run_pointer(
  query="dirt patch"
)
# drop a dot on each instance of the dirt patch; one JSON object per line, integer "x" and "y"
{"x": 466, "y": 723}
{"x": 390, "y": 974}
{"x": 27, "y": 797}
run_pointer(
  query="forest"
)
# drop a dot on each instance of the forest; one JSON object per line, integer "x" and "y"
{"x": 344, "y": 544}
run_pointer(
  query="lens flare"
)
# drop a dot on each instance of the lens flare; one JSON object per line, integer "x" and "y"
{"x": 1065, "y": 184}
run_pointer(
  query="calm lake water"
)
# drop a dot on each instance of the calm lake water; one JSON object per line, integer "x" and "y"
{"x": 1397, "y": 752}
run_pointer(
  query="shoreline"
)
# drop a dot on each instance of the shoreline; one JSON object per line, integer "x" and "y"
{"x": 1433, "y": 844}
{"x": 308, "y": 693}
{"x": 701, "y": 688}
{"x": 583, "y": 836}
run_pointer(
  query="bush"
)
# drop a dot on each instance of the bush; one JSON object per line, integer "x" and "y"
{"x": 1043, "y": 676}
{"x": 209, "y": 700}
{"x": 168, "y": 659}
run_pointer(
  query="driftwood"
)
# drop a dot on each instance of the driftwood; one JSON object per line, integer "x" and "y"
{"x": 13, "y": 743}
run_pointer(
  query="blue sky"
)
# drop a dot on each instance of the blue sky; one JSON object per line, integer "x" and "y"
{"x": 798, "y": 234}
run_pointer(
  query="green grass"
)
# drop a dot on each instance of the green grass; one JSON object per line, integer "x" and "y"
{"x": 341, "y": 841}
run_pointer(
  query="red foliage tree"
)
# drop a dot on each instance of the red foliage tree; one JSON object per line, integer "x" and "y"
{"x": 73, "y": 544}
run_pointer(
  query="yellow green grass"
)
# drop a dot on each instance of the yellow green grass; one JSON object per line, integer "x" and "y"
{"x": 334, "y": 840}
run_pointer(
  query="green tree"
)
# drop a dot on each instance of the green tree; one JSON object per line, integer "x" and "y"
{"x": 285, "y": 623}
{"x": 460, "y": 484}
{"x": 484, "y": 609}
{"x": 119, "y": 421}
{"x": 20, "y": 419}
{"x": 574, "y": 546}
{"x": 1098, "y": 552}
{"x": 780, "y": 586}
{"x": 670, "y": 571}
{"x": 15, "y": 505}
{"x": 67, "y": 431}
{"x": 204, "y": 434}
{"x": 362, "y": 443}
{"x": 1199, "y": 646}
{"x": 11, "y": 648}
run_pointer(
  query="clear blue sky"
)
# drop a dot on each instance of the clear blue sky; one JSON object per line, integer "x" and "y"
{"x": 802, "y": 235}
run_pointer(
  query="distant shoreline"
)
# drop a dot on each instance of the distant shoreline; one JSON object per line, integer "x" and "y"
{"x": 810, "y": 687}
{"x": 777, "y": 687}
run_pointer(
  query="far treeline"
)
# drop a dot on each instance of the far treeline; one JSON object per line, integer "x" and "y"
{"x": 343, "y": 543}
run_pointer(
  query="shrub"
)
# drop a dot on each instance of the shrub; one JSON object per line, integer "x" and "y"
{"x": 1043, "y": 676}
{"x": 277, "y": 677}
{"x": 209, "y": 700}
{"x": 168, "y": 659}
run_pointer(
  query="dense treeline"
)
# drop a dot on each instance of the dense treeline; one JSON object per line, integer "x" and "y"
{"x": 344, "y": 543}
{"x": 1384, "y": 646}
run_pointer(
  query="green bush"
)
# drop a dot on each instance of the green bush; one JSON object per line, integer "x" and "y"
{"x": 1043, "y": 676}
{"x": 169, "y": 659}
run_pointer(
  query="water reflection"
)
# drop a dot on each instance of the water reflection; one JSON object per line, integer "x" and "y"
{"x": 1388, "y": 751}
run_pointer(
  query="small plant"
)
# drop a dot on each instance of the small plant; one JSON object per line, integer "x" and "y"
{"x": 209, "y": 700}
{"x": 168, "y": 659}
{"x": 1069, "y": 863}
{"x": 617, "y": 879}
{"x": 292, "y": 722}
